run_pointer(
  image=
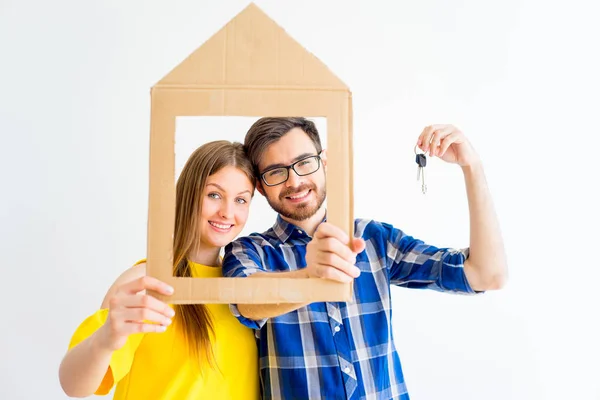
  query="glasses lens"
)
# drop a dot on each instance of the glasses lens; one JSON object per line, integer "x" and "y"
{"x": 275, "y": 176}
{"x": 302, "y": 167}
{"x": 307, "y": 166}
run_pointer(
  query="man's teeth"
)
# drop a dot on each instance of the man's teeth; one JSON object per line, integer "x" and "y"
{"x": 220, "y": 226}
{"x": 298, "y": 196}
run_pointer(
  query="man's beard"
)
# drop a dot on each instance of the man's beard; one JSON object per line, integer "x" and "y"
{"x": 301, "y": 211}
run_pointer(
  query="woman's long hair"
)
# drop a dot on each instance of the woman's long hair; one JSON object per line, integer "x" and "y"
{"x": 194, "y": 319}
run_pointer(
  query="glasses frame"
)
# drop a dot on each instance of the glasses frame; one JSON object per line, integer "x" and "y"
{"x": 292, "y": 167}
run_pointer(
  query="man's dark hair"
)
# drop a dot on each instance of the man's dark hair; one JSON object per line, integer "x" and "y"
{"x": 268, "y": 130}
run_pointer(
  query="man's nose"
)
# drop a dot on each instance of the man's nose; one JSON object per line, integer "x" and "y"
{"x": 293, "y": 179}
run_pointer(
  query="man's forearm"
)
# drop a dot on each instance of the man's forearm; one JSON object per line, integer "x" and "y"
{"x": 486, "y": 266}
{"x": 262, "y": 311}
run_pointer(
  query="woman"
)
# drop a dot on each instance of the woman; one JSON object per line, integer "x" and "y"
{"x": 205, "y": 353}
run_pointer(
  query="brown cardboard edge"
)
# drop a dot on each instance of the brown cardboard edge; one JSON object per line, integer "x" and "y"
{"x": 255, "y": 290}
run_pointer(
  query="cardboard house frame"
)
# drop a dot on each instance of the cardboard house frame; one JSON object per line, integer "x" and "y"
{"x": 251, "y": 67}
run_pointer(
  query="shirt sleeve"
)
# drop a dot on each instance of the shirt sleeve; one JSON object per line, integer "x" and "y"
{"x": 415, "y": 264}
{"x": 241, "y": 260}
{"x": 121, "y": 359}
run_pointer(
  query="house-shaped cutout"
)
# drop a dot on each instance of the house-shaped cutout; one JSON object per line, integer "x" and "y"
{"x": 251, "y": 67}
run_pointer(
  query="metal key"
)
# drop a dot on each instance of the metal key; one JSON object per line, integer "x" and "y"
{"x": 421, "y": 161}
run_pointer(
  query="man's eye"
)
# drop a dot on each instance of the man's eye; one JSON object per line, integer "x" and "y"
{"x": 275, "y": 172}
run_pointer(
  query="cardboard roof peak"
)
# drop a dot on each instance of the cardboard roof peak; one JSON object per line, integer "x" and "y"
{"x": 252, "y": 51}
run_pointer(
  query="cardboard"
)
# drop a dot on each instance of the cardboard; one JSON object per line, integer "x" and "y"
{"x": 251, "y": 67}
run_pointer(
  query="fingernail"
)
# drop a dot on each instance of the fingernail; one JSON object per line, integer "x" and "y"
{"x": 161, "y": 328}
{"x": 167, "y": 322}
{"x": 169, "y": 289}
{"x": 171, "y": 313}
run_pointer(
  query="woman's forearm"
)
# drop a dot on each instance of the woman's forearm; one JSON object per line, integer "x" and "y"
{"x": 83, "y": 367}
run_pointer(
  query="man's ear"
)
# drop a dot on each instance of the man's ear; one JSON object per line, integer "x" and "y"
{"x": 259, "y": 187}
{"x": 324, "y": 158}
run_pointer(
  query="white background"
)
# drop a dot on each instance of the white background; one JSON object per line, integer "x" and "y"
{"x": 519, "y": 77}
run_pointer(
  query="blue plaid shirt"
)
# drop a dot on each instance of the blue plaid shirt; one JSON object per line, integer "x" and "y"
{"x": 341, "y": 350}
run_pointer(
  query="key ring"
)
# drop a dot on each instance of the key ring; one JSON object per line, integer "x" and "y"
{"x": 416, "y": 147}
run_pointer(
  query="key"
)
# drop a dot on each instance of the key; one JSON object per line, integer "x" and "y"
{"x": 421, "y": 161}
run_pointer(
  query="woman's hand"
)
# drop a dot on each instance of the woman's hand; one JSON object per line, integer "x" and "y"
{"x": 131, "y": 311}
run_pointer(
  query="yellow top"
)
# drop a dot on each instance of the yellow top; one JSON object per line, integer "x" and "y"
{"x": 156, "y": 365}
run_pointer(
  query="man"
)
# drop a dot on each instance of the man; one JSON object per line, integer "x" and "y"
{"x": 345, "y": 350}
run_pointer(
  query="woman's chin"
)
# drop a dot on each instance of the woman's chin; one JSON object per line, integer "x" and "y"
{"x": 219, "y": 240}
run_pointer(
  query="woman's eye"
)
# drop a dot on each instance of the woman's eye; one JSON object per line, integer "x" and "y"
{"x": 214, "y": 195}
{"x": 241, "y": 201}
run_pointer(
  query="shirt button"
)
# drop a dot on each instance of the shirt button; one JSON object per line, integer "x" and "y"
{"x": 347, "y": 370}
{"x": 299, "y": 231}
{"x": 337, "y": 328}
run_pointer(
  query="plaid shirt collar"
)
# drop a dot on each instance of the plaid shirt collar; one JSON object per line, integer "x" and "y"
{"x": 287, "y": 231}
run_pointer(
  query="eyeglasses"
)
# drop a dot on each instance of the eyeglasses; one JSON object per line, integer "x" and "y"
{"x": 306, "y": 166}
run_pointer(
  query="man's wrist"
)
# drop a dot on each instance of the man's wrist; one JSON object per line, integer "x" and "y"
{"x": 475, "y": 166}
